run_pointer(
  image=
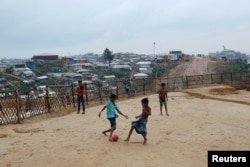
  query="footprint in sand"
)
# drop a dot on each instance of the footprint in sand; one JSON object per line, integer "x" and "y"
{"x": 27, "y": 130}
{"x": 3, "y": 135}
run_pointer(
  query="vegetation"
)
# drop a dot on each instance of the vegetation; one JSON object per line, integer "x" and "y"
{"x": 118, "y": 74}
{"x": 237, "y": 66}
{"x": 159, "y": 70}
{"x": 108, "y": 56}
{"x": 43, "y": 68}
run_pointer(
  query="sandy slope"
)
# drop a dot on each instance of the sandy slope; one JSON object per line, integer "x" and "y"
{"x": 195, "y": 125}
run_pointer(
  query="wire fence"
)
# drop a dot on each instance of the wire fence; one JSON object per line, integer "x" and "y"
{"x": 15, "y": 107}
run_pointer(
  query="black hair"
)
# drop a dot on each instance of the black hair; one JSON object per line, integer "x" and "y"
{"x": 112, "y": 96}
{"x": 79, "y": 81}
{"x": 144, "y": 100}
{"x": 163, "y": 84}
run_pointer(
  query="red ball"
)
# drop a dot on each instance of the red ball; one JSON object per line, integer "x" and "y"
{"x": 115, "y": 137}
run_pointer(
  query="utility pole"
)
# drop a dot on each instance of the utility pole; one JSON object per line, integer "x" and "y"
{"x": 154, "y": 48}
{"x": 155, "y": 58}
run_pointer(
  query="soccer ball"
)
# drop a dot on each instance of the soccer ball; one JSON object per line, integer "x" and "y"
{"x": 115, "y": 137}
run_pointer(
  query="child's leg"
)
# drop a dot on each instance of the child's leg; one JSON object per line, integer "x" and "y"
{"x": 166, "y": 109}
{"x": 130, "y": 132}
{"x": 105, "y": 132}
{"x": 161, "y": 107}
{"x": 78, "y": 105}
{"x": 145, "y": 140}
{"x": 111, "y": 133}
{"x": 111, "y": 130}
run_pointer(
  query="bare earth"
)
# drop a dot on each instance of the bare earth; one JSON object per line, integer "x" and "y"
{"x": 200, "y": 120}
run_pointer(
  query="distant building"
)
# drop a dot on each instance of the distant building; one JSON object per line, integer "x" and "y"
{"x": 18, "y": 71}
{"x": 109, "y": 77}
{"x": 42, "y": 79}
{"x": 144, "y": 66}
{"x": 3, "y": 82}
{"x": 174, "y": 55}
{"x": 46, "y": 57}
{"x": 3, "y": 67}
{"x": 57, "y": 70}
{"x": 72, "y": 78}
{"x": 26, "y": 74}
{"x": 31, "y": 65}
{"x": 229, "y": 55}
{"x": 121, "y": 68}
{"x": 140, "y": 75}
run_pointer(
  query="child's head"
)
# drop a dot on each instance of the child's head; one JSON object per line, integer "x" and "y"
{"x": 163, "y": 85}
{"x": 112, "y": 97}
{"x": 79, "y": 82}
{"x": 144, "y": 101}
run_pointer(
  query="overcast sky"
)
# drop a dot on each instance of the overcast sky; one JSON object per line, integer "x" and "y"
{"x": 70, "y": 27}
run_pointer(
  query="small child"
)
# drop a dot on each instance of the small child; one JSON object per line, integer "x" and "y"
{"x": 140, "y": 124}
{"x": 111, "y": 115}
{"x": 163, "y": 97}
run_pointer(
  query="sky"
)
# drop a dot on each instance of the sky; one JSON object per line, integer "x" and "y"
{"x": 73, "y": 27}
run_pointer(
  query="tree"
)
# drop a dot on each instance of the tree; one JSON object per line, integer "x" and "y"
{"x": 108, "y": 55}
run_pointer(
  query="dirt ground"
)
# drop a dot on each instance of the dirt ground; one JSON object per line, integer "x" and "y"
{"x": 201, "y": 119}
{"x": 195, "y": 66}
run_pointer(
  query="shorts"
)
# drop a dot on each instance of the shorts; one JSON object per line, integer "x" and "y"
{"x": 127, "y": 90}
{"x": 112, "y": 121}
{"x": 163, "y": 102}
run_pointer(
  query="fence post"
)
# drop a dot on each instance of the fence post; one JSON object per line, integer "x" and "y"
{"x": 202, "y": 82}
{"x": 143, "y": 86}
{"x": 73, "y": 95}
{"x": 99, "y": 91}
{"x": 187, "y": 81}
{"x": 155, "y": 82}
{"x": 86, "y": 94}
{"x": 231, "y": 78}
{"x": 47, "y": 98}
{"x": 117, "y": 92}
{"x": 174, "y": 83}
{"x": 18, "y": 106}
{"x": 221, "y": 77}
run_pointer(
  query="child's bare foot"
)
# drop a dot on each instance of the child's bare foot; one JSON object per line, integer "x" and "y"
{"x": 167, "y": 114}
{"x": 111, "y": 139}
{"x": 126, "y": 139}
{"x": 145, "y": 141}
{"x": 104, "y": 133}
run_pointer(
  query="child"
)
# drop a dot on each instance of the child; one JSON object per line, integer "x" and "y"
{"x": 80, "y": 97}
{"x": 140, "y": 124}
{"x": 111, "y": 115}
{"x": 127, "y": 87}
{"x": 163, "y": 96}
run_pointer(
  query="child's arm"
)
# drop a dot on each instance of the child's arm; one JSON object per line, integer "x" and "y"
{"x": 138, "y": 116}
{"x": 146, "y": 111}
{"x": 99, "y": 115}
{"x": 149, "y": 111}
{"x": 121, "y": 113}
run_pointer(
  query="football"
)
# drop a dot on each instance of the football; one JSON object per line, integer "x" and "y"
{"x": 115, "y": 137}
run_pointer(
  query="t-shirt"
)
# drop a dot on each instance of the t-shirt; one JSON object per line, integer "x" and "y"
{"x": 111, "y": 109}
{"x": 79, "y": 91}
{"x": 127, "y": 86}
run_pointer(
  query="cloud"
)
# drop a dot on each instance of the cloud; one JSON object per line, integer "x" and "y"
{"x": 80, "y": 26}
